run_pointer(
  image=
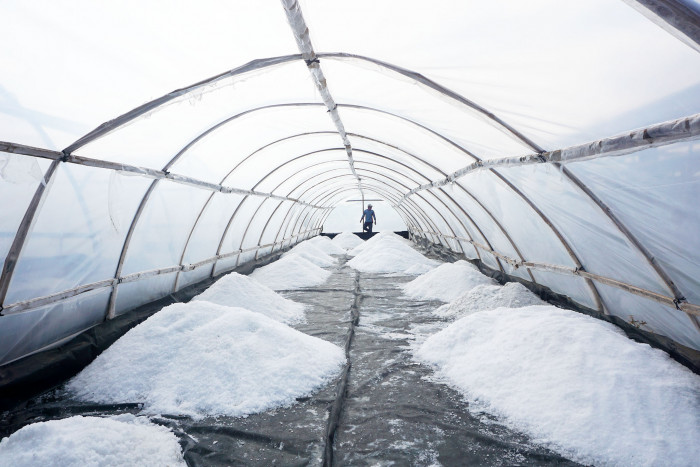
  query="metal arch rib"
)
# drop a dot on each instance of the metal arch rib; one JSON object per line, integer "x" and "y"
{"x": 131, "y": 115}
{"x": 425, "y": 217}
{"x": 142, "y": 171}
{"x": 498, "y": 224}
{"x": 153, "y": 104}
{"x": 23, "y": 230}
{"x": 418, "y": 212}
{"x": 324, "y": 173}
{"x": 367, "y": 152}
{"x": 679, "y": 19}
{"x": 328, "y": 196}
{"x": 388, "y": 195}
{"x": 401, "y": 213}
{"x": 262, "y": 233}
{"x": 425, "y": 200}
{"x": 301, "y": 35}
{"x": 508, "y": 129}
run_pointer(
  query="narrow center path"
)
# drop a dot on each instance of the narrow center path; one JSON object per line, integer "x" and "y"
{"x": 395, "y": 414}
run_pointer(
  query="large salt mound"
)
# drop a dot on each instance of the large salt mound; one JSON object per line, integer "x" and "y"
{"x": 347, "y": 240}
{"x": 389, "y": 255}
{"x": 201, "y": 359}
{"x": 241, "y": 291}
{"x": 380, "y": 238}
{"x": 311, "y": 253}
{"x": 446, "y": 282}
{"x": 489, "y": 297}
{"x": 574, "y": 383}
{"x": 327, "y": 245}
{"x": 79, "y": 441}
{"x": 290, "y": 272}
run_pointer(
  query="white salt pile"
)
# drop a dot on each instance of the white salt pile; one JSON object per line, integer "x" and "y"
{"x": 311, "y": 253}
{"x": 241, "y": 291}
{"x": 201, "y": 359}
{"x": 327, "y": 245}
{"x": 380, "y": 237}
{"x": 489, "y": 297}
{"x": 446, "y": 282}
{"x": 290, "y": 272}
{"x": 386, "y": 254}
{"x": 573, "y": 383}
{"x": 347, "y": 240}
{"x": 79, "y": 441}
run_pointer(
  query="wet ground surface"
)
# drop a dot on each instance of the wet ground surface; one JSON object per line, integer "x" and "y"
{"x": 391, "y": 412}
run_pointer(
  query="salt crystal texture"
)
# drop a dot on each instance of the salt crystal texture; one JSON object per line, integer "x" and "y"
{"x": 80, "y": 441}
{"x": 380, "y": 238}
{"x": 347, "y": 240}
{"x": 488, "y": 297}
{"x": 387, "y": 254}
{"x": 290, "y": 272}
{"x": 446, "y": 282}
{"x": 237, "y": 290}
{"x": 573, "y": 383}
{"x": 200, "y": 359}
{"x": 313, "y": 254}
{"x": 327, "y": 245}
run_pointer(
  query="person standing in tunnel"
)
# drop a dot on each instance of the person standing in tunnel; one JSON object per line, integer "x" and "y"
{"x": 368, "y": 216}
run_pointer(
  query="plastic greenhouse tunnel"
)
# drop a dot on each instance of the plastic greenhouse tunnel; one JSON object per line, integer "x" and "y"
{"x": 185, "y": 281}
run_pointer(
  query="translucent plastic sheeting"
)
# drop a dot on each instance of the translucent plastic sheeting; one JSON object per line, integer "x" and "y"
{"x": 246, "y": 256}
{"x": 396, "y": 94}
{"x": 243, "y": 214}
{"x": 289, "y": 222}
{"x": 25, "y": 333}
{"x": 345, "y": 218}
{"x": 274, "y": 223}
{"x": 421, "y": 162}
{"x": 210, "y": 227}
{"x": 224, "y": 264}
{"x": 452, "y": 222}
{"x": 108, "y": 58}
{"x": 298, "y": 167}
{"x": 79, "y": 232}
{"x": 256, "y": 223}
{"x": 521, "y": 220}
{"x": 400, "y": 182}
{"x": 598, "y": 243}
{"x": 154, "y": 138}
{"x": 161, "y": 232}
{"x": 546, "y": 67}
{"x": 19, "y": 179}
{"x": 494, "y": 235}
{"x": 31, "y": 127}
{"x": 132, "y": 294}
{"x": 469, "y": 230}
{"x": 571, "y": 286}
{"x": 651, "y": 316}
{"x": 192, "y": 277}
{"x": 255, "y": 135}
{"x": 301, "y": 183}
{"x": 319, "y": 193}
{"x": 655, "y": 193}
{"x": 403, "y": 133}
{"x": 411, "y": 176}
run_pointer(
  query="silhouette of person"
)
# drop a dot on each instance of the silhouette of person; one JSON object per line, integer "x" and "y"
{"x": 367, "y": 218}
